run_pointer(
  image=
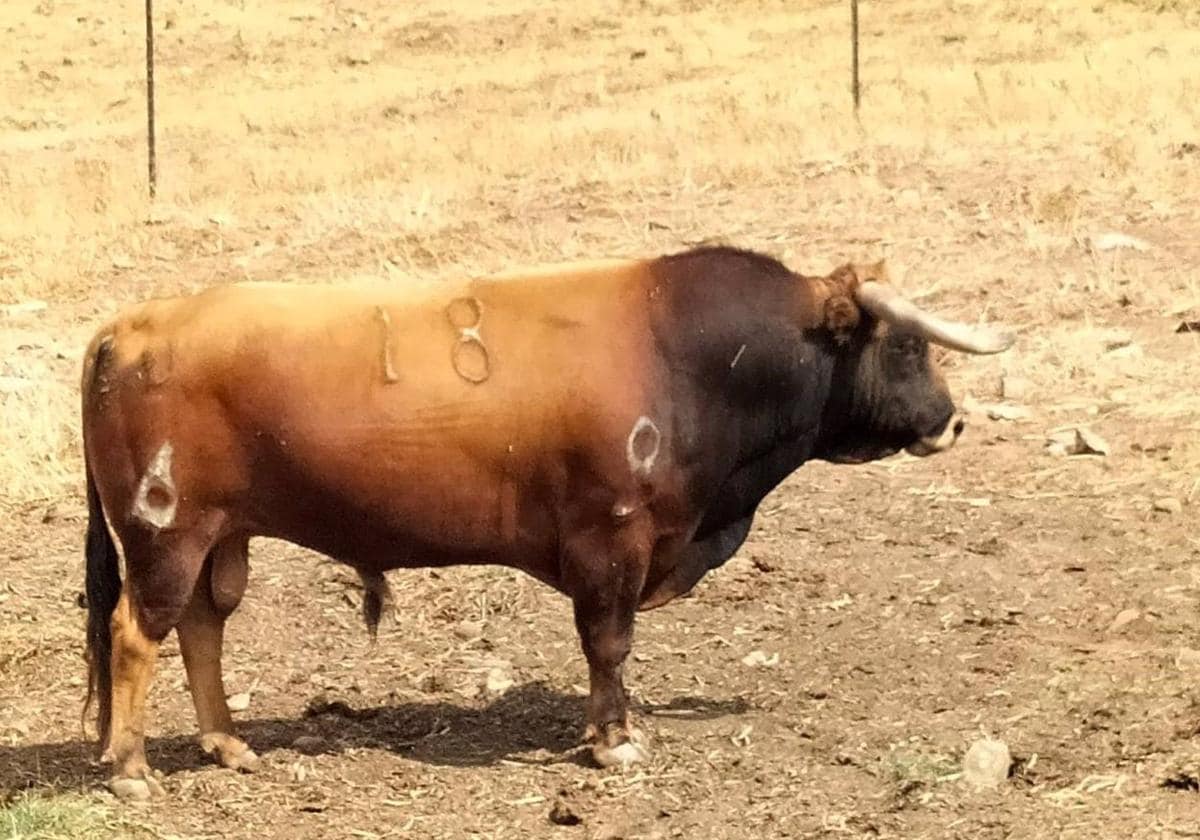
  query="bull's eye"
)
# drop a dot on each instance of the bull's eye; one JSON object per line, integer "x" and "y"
{"x": 905, "y": 347}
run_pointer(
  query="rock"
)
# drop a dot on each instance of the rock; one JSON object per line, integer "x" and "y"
{"x": 1168, "y": 505}
{"x": 1015, "y": 388}
{"x": 606, "y": 831}
{"x": 742, "y": 738}
{"x": 165, "y": 252}
{"x": 564, "y": 814}
{"x": 1188, "y": 659}
{"x": 239, "y": 702}
{"x": 27, "y": 307}
{"x": 469, "y": 630}
{"x": 1076, "y": 441}
{"x": 1007, "y": 412}
{"x": 13, "y": 384}
{"x": 986, "y": 763}
{"x": 1129, "y": 351}
{"x": 1114, "y": 241}
{"x": 1090, "y": 443}
{"x": 995, "y": 411}
{"x": 310, "y": 744}
{"x": 758, "y": 659}
{"x": 1124, "y": 617}
{"x": 499, "y": 680}
{"x": 1115, "y": 340}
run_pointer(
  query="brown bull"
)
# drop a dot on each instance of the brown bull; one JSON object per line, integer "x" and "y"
{"x": 609, "y": 429}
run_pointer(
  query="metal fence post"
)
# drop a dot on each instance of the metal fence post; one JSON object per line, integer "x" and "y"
{"x": 151, "y": 161}
{"x": 853, "y": 52}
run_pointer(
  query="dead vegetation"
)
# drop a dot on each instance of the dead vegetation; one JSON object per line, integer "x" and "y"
{"x": 67, "y": 817}
{"x": 1031, "y": 162}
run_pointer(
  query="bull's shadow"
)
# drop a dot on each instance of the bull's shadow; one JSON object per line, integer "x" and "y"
{"x": 531, "y": 718}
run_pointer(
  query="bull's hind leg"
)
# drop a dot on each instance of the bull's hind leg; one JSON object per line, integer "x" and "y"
{"x": 133, "y": 657}
{"x": 606, "y": 573}
{"x": 161, "y": 572}
{"x": 201, "y": 634}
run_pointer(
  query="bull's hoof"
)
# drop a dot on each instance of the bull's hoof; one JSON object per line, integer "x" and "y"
{"x": 247, "y": 761}
{"x": 141, "y": 788}
{"x": 231, "y": 752}
{"x": 629, "y": 748}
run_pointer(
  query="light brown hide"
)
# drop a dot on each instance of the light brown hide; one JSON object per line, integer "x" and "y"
{"x": 414, "y": 462}
{"x": 342, "y": 419}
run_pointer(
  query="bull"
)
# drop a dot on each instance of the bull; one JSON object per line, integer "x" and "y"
{"x": 608, "y": 428}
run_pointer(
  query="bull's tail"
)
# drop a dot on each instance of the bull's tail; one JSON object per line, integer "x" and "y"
{"x": 102, "y": 580}
{"x": 375, "y": 595}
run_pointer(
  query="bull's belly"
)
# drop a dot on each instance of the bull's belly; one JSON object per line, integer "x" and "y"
{"x": 390, "y": 516}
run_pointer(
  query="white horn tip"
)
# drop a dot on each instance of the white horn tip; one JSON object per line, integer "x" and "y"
{"x": 994, "y": 341}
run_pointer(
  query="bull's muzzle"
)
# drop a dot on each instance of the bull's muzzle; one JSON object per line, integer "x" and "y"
{"x": 932, "y": 444}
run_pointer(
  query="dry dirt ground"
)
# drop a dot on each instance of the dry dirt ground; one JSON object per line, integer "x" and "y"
{"x": 896, "y": 611}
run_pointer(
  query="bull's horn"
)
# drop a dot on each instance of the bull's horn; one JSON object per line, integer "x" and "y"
{"x": 886, "y": 304}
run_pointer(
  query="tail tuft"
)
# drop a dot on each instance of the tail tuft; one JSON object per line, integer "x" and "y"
{"x": 375, "y": 595}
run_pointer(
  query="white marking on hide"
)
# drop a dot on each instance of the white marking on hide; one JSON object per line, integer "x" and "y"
{"x": 621, "y": 510}
{"x": 644, "y": 436}
{"x": 470, "y": 341}
{"x": 155, "y": 501}
{"x": 465, "y": 313}
{"x": 389, "y": 370}
{"x": 737, "y": 356}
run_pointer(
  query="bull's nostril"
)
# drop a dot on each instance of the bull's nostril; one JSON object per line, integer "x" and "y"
{"x": 959, "y": 425}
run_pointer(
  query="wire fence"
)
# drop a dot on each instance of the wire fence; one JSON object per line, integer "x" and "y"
{"x": 152, "y": 156}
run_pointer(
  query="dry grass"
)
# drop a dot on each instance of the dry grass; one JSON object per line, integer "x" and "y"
{"x": 38, "y": 411}
{"x": 61, "y": 817}
{"x": 317, "y": 140}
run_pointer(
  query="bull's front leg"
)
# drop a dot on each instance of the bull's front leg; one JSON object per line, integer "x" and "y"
{"x": 606, "y": 575}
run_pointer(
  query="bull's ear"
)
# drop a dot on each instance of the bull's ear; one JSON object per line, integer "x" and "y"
{"x": 841, "y": 317}
{"x": 871, "y": 272}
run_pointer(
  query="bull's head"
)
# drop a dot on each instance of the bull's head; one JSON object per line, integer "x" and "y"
{"x": 894, "y": 396}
